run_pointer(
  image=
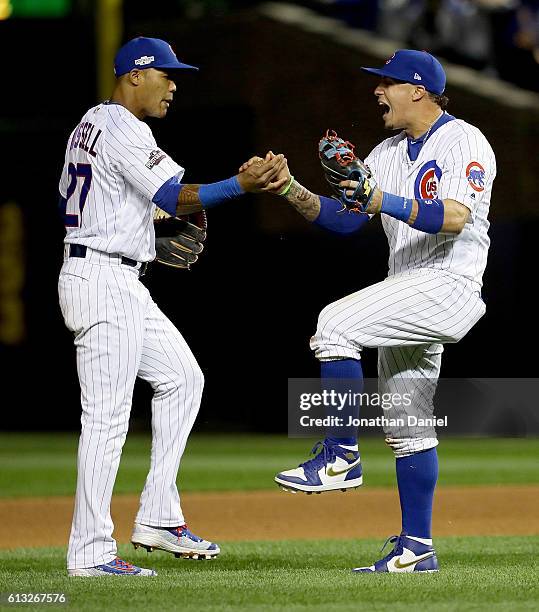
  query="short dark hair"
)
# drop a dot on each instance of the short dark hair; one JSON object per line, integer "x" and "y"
{"x": 441, "y": 100}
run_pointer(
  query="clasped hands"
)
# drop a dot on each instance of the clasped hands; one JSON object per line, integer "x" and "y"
{"x": 271, "y": 175}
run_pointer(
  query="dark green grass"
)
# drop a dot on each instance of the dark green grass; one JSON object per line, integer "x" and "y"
{"x": 478, "y": 574}
{"x": 44, "y": 464}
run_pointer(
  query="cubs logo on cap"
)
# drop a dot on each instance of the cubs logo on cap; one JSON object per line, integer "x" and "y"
{"x": 141, "y": 53}
{"x": 475, "y": 173}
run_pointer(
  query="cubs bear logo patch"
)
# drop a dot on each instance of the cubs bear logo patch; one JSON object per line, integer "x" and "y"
{"x": 475, "y": 173}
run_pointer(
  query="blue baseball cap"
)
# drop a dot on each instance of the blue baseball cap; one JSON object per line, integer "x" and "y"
{"x": 416, "y": 67}
{"x": 141, "y": 53}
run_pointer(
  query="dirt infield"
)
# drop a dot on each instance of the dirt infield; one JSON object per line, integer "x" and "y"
{"x": 275, "y": 515}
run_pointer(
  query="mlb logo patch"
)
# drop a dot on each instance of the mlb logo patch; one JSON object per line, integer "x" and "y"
{"x": 475, "y": 173}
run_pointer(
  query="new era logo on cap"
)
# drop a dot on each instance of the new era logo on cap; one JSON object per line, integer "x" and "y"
{"x": 412, "y": 66}
{"x": 141, "y": 53}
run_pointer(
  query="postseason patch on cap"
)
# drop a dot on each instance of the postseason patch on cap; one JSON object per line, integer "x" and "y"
{"x": 145, "y": 60}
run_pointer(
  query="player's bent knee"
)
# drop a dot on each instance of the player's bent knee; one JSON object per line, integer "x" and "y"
{"x": 190, "y": 378}
{"x": 327, "y": 319}
{"x": 332, "y": 339}
{"x": 330, "y": 327}
{"x": 404, "y": 447}
{"x": 198, "y": 377}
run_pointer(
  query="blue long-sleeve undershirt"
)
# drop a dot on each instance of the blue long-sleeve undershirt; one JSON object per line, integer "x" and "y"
{"x": 344, "y": 222}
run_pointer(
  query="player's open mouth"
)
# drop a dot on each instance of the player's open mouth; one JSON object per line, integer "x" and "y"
{"x": 385, "y": 108}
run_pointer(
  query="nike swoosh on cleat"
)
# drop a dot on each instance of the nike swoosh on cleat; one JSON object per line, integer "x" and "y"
{"x": 400, "y": 565}
{"x": 332, "y": 472}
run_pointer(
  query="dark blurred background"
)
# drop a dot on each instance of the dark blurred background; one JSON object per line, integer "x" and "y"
{"x": 272, "y": 76}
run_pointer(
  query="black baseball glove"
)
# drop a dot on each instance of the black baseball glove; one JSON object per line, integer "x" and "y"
{"x": 179, "y": 240}
{"x": 340, "y": 163}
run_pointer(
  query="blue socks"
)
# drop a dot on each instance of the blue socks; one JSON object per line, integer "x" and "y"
{"x": 350, "y": 371}
{"x": 341, "y": 368}
{"x": 416, "y": 477}
{"x": 416, "y": 474}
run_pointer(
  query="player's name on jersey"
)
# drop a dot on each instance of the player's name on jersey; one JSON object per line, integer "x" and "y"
{"x": 380, "y": 421}
{"x": 83, "y": 136}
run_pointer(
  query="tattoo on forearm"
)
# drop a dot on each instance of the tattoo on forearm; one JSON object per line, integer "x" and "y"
{"x": 188, "y": 201}
{"x": 305, "y": 202}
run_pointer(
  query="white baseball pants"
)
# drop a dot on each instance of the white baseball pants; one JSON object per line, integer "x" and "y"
{"x": 409, "y": 317}
{"x": 120, "y": 334}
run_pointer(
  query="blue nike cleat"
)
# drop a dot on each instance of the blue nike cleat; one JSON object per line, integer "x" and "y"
{"x": 334, "y": 468}
{"x": 408, "y": 555}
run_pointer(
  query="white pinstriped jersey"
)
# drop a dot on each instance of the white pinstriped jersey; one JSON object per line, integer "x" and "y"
{"x": 113, "y": 168}
{"x": 456, "y": 162}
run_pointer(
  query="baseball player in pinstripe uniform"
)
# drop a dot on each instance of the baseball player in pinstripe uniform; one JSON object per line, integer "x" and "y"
{"x": 113, "y": 178}
{"x": 431, "y": 183}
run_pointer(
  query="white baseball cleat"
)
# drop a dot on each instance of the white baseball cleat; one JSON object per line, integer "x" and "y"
{"x": 116, "y": 567}
{"x": 176, "y": 540}
{"x": 408, "y": 555}
{"x": 334, "y": 468}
